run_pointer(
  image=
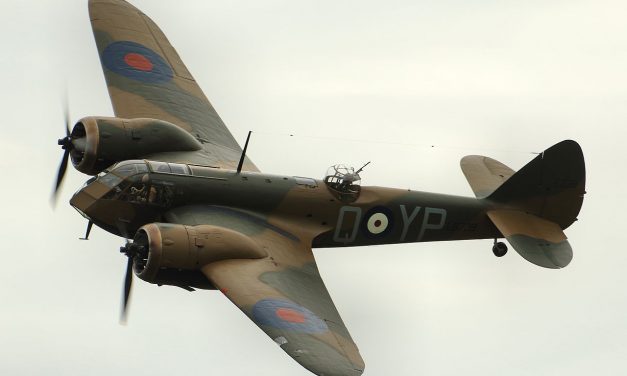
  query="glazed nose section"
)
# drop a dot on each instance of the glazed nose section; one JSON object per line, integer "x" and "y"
{"x": 85, "y": 198}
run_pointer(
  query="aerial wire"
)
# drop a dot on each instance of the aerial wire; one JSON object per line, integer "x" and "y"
{"x": 396, "y": 143}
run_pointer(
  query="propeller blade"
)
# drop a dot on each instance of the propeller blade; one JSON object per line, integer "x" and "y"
{"x": 60, "y": 175}
{"x": 128, "y": 283}
{"x": 66, "y": 115}
{"x": 66, "y": 144}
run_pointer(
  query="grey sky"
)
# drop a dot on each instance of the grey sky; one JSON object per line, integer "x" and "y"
{"x": 500, "y": 78}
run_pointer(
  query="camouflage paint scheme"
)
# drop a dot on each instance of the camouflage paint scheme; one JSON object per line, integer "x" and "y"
{"x": 147, "y": 79}
{"x": 250, "y": 234}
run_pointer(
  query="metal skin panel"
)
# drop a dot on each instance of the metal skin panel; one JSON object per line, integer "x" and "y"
{"x": 146, "y": 78}
{"x": 110, "y": 140}
{"x": 185, "y": 248}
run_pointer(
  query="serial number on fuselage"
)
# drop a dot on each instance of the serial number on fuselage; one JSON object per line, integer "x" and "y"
{"x": 380, "y": 222}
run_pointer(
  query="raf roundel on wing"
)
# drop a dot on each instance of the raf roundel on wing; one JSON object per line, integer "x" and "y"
{"x": 283, "y": 314}
{"x": 137, "y": 62}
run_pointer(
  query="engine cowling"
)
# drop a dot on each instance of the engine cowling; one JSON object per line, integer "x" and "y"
{"x": 99, "y": 142}
{"x": 173, "y": 254}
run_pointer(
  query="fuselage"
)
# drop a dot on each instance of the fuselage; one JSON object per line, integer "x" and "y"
{"x": 134, "y": 193}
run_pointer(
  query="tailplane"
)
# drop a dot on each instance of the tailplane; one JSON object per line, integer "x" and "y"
{"x": 534, "y": 205}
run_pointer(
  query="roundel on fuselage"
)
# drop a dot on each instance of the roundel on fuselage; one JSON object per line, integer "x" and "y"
{"x": 378, "y": 222}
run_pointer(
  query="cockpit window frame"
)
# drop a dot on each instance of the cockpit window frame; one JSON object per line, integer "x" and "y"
{"x": 110, "y": 180}
{"x": 183, "y": 169}
{"x": 130, "y": 169}
{"x": 114, "y": 176}
{"x": 172, "y": 168}
{"x": 159, "y": 167}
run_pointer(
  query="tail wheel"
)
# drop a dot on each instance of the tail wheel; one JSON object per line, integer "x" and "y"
{"x": 499, "y": 249}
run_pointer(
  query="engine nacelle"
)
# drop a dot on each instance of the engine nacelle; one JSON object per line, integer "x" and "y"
{"x": 174, "y": 253}
{"x": 99, "y": 142}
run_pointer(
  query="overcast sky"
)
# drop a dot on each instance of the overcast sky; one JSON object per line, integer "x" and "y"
{"x": 499, "y": 78}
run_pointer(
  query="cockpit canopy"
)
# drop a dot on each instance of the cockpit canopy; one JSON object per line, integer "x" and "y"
{"x": 131, "y": 168}
{"x": 344, "y": 182}
{"x": 130, "y": 181}
{"x": 121, "y": 171}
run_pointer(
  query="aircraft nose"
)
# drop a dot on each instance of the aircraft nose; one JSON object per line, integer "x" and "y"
{"x": 81, "y": 201}
{"x": 87, "y": 196}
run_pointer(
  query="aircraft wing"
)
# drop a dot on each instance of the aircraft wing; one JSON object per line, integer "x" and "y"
{"x": 283, "y": 293}
{"x": 146, "y": 78}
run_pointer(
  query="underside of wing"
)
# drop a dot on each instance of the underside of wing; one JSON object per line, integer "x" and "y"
{"x": 283, "y": 293}
{"x": 146, "y": 78}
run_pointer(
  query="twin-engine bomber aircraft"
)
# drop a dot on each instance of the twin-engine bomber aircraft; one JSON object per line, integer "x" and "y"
{"x": 169, "y": 173}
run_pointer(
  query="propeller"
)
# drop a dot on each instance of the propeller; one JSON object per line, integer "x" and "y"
{"x": 128, "y": 277}
{"x": 67, "y": 145}
{"x": 131, "y": 250}
{"x": 128, "y": 283}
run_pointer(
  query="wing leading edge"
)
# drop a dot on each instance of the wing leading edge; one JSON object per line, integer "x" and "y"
{"x": 146, "y": 78}
{"x": 283, "y": 293}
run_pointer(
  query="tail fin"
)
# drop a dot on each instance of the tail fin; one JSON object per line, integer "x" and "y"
{"x": 551, "y": 186}
{"x": 538, "y": 202}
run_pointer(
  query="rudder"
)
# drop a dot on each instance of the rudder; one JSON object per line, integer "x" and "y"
{"x": 551, "y": 186}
